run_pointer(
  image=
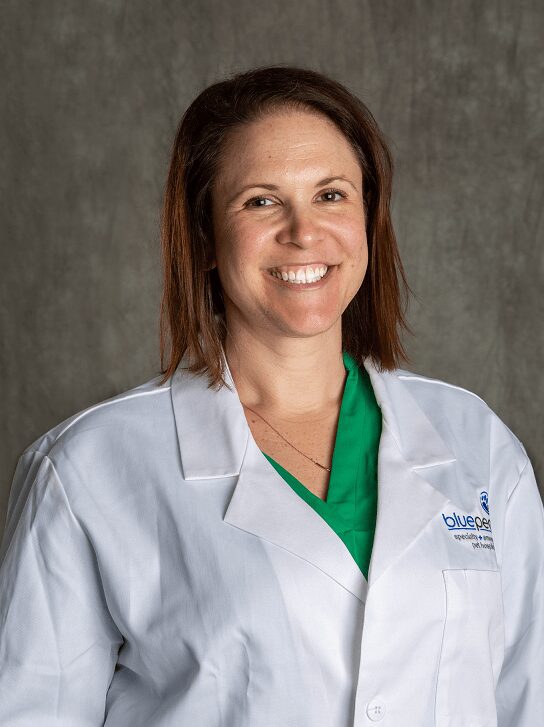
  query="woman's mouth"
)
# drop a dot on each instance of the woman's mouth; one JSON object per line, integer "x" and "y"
{"x": 305, "y": 278}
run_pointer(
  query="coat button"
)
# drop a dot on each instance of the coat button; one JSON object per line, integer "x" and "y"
{"x": 375, "y": 709}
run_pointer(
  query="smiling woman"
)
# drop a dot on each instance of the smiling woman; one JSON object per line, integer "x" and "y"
{"x": 282, "y": 527}
{"x": 280, "y": 169}
{"x": 302, "y": 224}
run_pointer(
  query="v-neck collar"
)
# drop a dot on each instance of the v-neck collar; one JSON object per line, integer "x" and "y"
{"x": 347, "y": 448}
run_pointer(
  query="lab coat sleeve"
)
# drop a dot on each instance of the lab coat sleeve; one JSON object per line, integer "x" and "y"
{"x": 58, "y": 641}
{"x": 520, "y": 688}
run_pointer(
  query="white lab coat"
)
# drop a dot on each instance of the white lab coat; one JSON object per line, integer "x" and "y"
{"x": 149, "y": 531}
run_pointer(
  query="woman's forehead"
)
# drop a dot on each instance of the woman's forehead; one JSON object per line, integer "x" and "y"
{"x": 288, "y": 143}
{"x": 284, "y": 128}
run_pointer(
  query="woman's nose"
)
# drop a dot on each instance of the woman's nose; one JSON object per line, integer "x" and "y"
{"x": 301, "y": 226}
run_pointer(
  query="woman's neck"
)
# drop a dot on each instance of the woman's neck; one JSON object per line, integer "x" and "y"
{"x": 294, "y": 379}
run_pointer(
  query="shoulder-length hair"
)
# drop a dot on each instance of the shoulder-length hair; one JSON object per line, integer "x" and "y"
{"x": 192, "y": 316}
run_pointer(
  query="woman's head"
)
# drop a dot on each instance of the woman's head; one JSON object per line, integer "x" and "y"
{"x": 248, "y": 190}
{"x": 308, "y": 220}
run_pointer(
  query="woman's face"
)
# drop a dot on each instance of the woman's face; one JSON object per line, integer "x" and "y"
{"x": 275, "y": 207}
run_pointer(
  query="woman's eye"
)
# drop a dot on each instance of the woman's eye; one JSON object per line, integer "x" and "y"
{"x": 254, "y": 201}
{"x": 250, "y": 202}
{"x": 332, "y": 192}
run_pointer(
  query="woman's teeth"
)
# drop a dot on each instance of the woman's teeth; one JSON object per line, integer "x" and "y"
{"x": 302, "y": 275}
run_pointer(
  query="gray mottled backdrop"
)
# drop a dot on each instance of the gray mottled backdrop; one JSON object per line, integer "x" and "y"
{"x": 93, "y": 92}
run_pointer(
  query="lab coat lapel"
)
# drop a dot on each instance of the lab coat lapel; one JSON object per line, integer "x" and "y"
{"x": 414, "y": 473}
{"x": 417, "y": 476}
{"x": 265, "y": 505}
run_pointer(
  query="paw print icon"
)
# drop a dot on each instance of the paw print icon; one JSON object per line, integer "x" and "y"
{"x": 484, "y": 501}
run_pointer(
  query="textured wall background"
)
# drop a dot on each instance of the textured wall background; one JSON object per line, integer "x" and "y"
{"x": 93, "y": 92}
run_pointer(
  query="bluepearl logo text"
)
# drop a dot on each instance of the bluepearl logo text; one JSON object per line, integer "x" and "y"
{"x": 467, "y": 522}
{"x": 472, "y": 527}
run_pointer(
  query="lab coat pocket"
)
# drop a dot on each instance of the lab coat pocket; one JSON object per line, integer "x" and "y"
{"x": 472, "y": 649}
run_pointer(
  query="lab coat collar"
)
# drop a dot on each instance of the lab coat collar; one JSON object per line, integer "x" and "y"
{"x": 416, "y": 476}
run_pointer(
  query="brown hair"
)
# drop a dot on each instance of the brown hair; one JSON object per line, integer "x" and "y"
{"x": 192, "y": 308}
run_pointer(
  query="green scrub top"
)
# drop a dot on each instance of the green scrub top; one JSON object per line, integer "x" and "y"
{"x": 352, "y": 498}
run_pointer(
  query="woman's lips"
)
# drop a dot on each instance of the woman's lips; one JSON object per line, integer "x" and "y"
{"x": 300, "y": 287}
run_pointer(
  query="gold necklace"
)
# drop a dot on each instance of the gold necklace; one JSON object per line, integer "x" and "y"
{"x": 285, "y": 440}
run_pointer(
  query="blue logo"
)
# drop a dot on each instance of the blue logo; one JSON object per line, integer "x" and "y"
{"x": 454, "y": 521}
{"x": 466, "y": 522}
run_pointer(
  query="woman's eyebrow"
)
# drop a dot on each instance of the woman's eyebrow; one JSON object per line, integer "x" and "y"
{"x": 273, "y": 187}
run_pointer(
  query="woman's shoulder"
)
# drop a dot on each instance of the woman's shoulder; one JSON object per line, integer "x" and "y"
{"x": 137, "y": 409}
{"x": 463, "y": 413}
{"x": 439, "y": 393}
{"x": 437, "y": 387}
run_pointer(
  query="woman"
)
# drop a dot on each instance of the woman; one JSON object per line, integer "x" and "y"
{"x": 285, "y": 528}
